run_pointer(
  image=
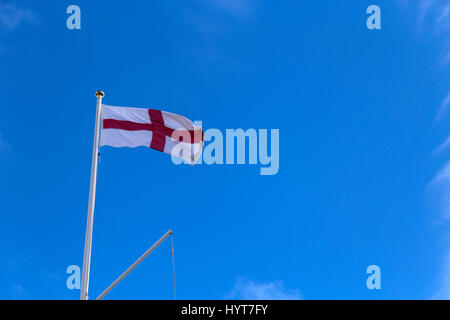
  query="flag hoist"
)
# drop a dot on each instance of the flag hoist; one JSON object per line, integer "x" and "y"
{"x": 132, "y": 127}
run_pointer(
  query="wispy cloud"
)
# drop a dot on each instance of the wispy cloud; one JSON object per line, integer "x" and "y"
{"x": 239, "y": 9}
{"x": 424, "y": 10}
{"x": 12, "y": 16}
{"x": 443, "y": 18}
{"x": 443, "y": 175}
{"x": 444, "y": 291}
{"x": 442, "y": 147}
{"x": 433, "y": 21}
{"x": 250, "y": 290}
{"x": 443, "y": 107}
{"x": 432, "y": 15}
{"x": 16, "y": 291}
{"x": 441, "y": 183}
{"x": 212, "y": 20}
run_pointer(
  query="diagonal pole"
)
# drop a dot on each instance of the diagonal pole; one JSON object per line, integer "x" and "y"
{"x": 134, "y": 265}
{"x": 90, "y": 217}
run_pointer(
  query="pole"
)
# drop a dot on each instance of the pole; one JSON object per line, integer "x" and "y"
{"x": 90, "y": 217}
{"x": 134, "y": 265}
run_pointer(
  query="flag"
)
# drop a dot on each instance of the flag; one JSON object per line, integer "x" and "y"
{"x": 163, "y": 131}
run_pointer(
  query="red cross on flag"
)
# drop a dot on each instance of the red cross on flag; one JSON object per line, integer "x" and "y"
{"x": 163, "y": 131}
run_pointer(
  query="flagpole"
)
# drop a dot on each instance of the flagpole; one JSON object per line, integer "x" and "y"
{"x": 90, "y": 217}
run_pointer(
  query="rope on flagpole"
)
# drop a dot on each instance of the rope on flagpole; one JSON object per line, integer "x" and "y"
{"x": 173, "y": 269}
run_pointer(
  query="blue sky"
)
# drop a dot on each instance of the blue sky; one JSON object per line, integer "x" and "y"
{"x": 364, "y": 175}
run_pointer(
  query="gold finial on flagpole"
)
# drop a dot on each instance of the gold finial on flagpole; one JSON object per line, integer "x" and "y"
{"x": 99, "y": 93}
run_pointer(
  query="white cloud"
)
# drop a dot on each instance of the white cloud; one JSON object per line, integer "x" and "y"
{"x": 424, "y": 10}
{"x": 441, "y": 184}
{"x": 443, "y": 19}
{"x": 433, "y": 19}
{"x": 12, "y": 16}
{"x": 444, "y": 145}
{"x": 432, "y": 14}
{"x": 250, "y": 290}
{"x": 444, "y": 291}
{"x": 239, "y": 9}
{"x": 443, "y": 107}
{"x": 16, "y": 291}
{"x": 442, "y": 176}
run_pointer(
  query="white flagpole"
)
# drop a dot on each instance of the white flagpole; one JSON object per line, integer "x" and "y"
{"x": 90, "y": 217}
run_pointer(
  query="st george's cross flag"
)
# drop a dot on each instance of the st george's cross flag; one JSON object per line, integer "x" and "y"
{"x": 163, "y": 131}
